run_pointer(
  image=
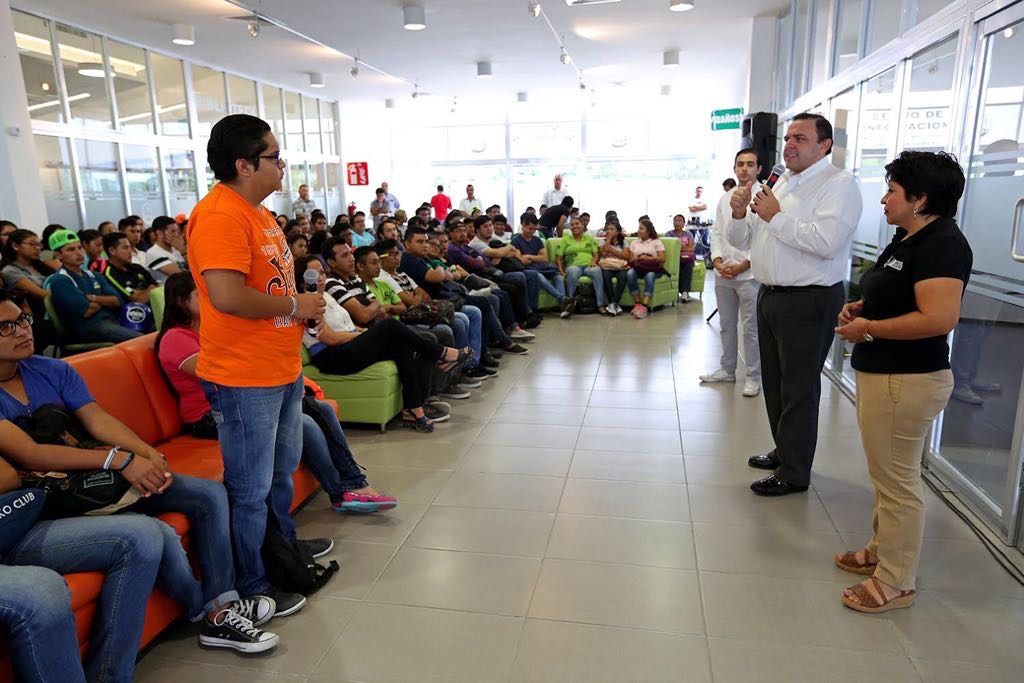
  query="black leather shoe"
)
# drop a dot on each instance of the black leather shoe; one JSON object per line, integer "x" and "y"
{"x": 773, "y": 486}
{"x": 767, "y": 461}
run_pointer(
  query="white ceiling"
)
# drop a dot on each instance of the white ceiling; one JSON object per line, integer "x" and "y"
{"x": 611, "y": 43}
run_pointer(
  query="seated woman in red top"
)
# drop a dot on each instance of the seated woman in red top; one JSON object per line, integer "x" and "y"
{"x": 327, "y": 454}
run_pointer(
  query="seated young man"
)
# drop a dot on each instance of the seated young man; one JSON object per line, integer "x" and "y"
{"x": 92, "y": 243}
{"x": 507, "y": 258}
{"x": 85, "y": 302}
{"x": 133, "y": 226}
{"x": 166, "y": 256}
{"x": 388, "y": 230}
{"x": 534, "y": 254}
{"x": 35, "y": 381}
{"x": 132, "y": 281}
{"x": 502, "y": 231}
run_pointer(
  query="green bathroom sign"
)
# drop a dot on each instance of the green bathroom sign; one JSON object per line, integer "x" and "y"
{"x": 726, "y": 119}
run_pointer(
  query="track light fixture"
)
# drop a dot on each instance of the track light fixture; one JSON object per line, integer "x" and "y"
{"x": 254, "y": 27}
{"x": 414, "y": 16}
{"x": 183, "y": 34}
{"x": 354, "y": 71}
{"x": 564, "y": 57}
{"x": 680, "y": 5}
{"x": 533, "y": 8}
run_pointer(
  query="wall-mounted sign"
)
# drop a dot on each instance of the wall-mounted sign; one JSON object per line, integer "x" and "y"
{"x": 727, "y": 119}
{"x": 358, "y": 173}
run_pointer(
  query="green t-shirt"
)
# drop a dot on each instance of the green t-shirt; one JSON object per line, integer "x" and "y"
{"x": 579, "y": 252}
{"x": 385, "y": 293}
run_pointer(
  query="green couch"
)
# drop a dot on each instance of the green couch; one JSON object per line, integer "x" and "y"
{"x": 372, "y": 396}
{"x": 666, "y": 288}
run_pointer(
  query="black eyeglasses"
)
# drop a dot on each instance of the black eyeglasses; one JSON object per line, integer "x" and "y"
{"x": 9, "y": 327}
{"x": 276, "y": 158}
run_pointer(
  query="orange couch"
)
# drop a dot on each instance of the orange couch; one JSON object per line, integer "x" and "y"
{"x": 126, "y": 380}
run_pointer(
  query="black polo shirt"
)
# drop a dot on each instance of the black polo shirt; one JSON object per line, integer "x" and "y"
{"x": 134, "y": 278}
{"x": 937, "y": 250}
{"x": 551, "y": 215}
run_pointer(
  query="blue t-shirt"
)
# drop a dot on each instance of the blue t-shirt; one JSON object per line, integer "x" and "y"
{"x": 528, "y": 246}
{"x": 69, "y": 298}
{"x": 48, "y": 381}
{"x": 417, "y": 268}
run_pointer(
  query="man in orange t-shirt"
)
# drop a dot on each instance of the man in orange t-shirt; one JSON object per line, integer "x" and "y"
{"x": 249, "y": 339}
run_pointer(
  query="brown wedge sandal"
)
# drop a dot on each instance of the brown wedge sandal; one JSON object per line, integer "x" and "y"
{"x": 866, "y": 601}
{"x": 848, "y": 562}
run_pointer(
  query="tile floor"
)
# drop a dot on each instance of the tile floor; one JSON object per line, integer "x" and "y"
{"x": 586, "y": 518}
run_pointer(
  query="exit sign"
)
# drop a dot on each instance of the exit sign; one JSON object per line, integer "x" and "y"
{"x": 726, "y": 119}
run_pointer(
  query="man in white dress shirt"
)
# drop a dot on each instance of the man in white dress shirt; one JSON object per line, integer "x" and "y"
{"x": 467, "y": 205}
{"x": 799, "y": 238}
{"x": 736, "y": 289}
{"x": 555, "y": 196}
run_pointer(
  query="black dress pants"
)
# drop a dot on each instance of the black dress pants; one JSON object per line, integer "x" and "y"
{"x": 795, "y": 329}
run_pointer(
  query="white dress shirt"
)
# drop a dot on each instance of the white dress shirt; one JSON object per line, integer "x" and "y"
{"x": 553, "y": 196}
{"x": 808, "y": 242}
{"x": 467, "y": 205}
{"x": 720, "y": 247}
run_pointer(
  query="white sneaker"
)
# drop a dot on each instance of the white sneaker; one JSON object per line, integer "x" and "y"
{"x": 522, "y": 335}
{"x": 751, "y": 388}
{"x": 718, "y": 375}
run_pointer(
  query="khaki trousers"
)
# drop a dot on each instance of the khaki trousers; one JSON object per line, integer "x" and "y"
{"x": 895, "y": 413}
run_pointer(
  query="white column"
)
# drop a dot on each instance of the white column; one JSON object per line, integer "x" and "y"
{"x": 762, "y": 64}
{"x": 21, "y": 192}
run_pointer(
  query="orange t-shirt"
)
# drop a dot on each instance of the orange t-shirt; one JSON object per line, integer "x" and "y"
{"x": 227, "y": 233}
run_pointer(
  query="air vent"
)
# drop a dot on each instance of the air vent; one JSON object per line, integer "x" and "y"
{"x": 575, "y": 3}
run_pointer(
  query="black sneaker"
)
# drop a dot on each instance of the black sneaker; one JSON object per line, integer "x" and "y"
{"x": 489, "y": 361}
{"x": 259, "y": 609}
{"x": 517, "y": 350}
{"x": 480, "y": 372}
{"x": 532, "y": 321}
{"x": 317, "y": 547}
{"x": 287, "y": 603}
{"x": 455, "y": 392}
{"x": 568, "y": 307}
{"x": 231, "y": 629}
{"x": 435, "y": 414}
{"x": 466, "y": 382}
{"x": 495, "y": 352}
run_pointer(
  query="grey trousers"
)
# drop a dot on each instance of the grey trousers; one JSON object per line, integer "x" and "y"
{"x": 737, "y": 299}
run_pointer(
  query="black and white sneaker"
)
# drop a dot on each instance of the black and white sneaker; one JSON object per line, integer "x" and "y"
{"x": 517, "y": 350}
{"x": 465, "y": 381}
{"x": 287, "y": 603}
{"x": 481, "y": 373}
{"x": 259, "y": 609}
{"x": 231, "y": 629}
{"x": 489, "y": 361}
{"x": 455, "y": 392}
{"x": 435, "y": 414}
{"x": 317, "y": 547}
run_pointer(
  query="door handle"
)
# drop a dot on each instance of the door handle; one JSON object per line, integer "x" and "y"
{"x": 1018, "y": 209}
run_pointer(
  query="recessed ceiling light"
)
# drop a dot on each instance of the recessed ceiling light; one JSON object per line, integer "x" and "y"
{"x": 1008, "y": 32}
{"x": 91, "y": 70}
{"x": 666, "y": 90}
{"x": 484, "y": 70}
{"x": 389, "y": 103}
{"x": 414, "y": 16}
{"x": 183, "y": 34}
{"x": 522, "y": 96}
{"x": 574, "y": 3}
{"x": 316, "y": 80}
{"x": 45, "y": 86}
{"x": 670, "y": 58}
{"x": 680, "y": 5}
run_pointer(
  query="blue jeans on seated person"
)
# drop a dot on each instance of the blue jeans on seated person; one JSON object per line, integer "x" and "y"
{"x": 534, "y": 283}
{"x": 490, "y": 324}
{"x": 614, "y": 282}
{"x": 632, "y": 281}
{"x": 573, "y": 274}
{"x": 553, "y": 284}
{"x": 127, "y": 548}
{"x": 260, "y": 434}
{"x": 106, "y": 331}
{"x": 205, "y": 503}
{"x": 328, "y": 456}
{"x": 529, "y": 286}
{"x": 473, "y": 323}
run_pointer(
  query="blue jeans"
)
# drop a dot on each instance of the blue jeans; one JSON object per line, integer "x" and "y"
{"x": 328, "y": 455}
{"x": 534, "y": 283}
{"x": 632, "y": 282}
{"x": 573, "y": 273}
{"x": 205, "y": 503}
{"x": 473, "y": 322}
{"x": 493, "y": 334}
{"x": 127, "y": 549}
{"x": 553, "y": 284}
{"x": 107, "y": 331}
{"x": 519, "y": 279}
{"x": 617, "y": 287}
{"x": 260, "y": 434}
{"x": 35, "y": 610}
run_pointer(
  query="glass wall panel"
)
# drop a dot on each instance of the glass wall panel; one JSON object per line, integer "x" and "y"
{"x": 327, "y": 127}
{"x": 885, "y": 22}
{"x": 926, "y": 8}
{"x": 801, "y": 27}
{"x": 169, "y": 80}
{"x": 208, "y": 91}
{"x": 273, "y": 111}
{"x": 782, "y": 62}
{"x": 32, "y": 36}
{"x": 293, "y": 122}
{"x": 476, "y": 142}
{"x": 242, "y": 92}
{"x": 851, "y": 15}
{"x": 99, "y": 172}
{"x": 311, "y": 119}
{"x": 844, "y": 110}
{"x": 333, "y": 191}
{"x": 56, "y": 177}
{"x": 928, "y": 107}
{"x": 317, "y": 185}
{"x": 546, "y": 140}
{"x": 617, "y": 138}
{"x": 297, "y": 175}
{"x": 142, "y": 173}
{"x": 821, "y": 63}
{"x": 81, "y": 58}
{"x": 131, "y": 88}
{"x": 179, "y": 167}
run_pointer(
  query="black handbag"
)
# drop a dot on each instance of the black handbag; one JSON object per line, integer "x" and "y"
{"x": 436, "y": 312}
{"x": 79, "y": 492}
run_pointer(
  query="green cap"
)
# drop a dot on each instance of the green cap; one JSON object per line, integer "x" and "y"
{"x": 61, "y": 239}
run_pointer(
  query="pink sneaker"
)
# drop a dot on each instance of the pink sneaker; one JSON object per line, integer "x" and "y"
{"x": 384, "y": 502}
{"x": 354, "y": 502}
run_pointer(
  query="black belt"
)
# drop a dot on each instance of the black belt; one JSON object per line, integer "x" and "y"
{"x": 802, "y": 288}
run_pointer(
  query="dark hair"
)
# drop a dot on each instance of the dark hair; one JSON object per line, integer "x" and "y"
{"x": 936, "y": 175}
{"x": 440, "y": 188}
{"x": 148, "y": 234}
{"x": 494, "y": 206}
{"x": 111, "y": 239}
{"x": 316, "y": 214}
{"x": 610, "y": 214}
{"x": 362, "y": 252}
{"x": 301, "y": 265}
{"x": 88, "y": 235}
{"x": 234, "y": 137}
{"x": 384, "y": 246}
{"x": 48, "y": 231}
{"x": 543, "y": 206}
{"x": 480, "y": 220}
{"x": 316, "y": 242}
{"x": 585, "y": 214}
{"x": 651, "y": 232}
{"x": 16, "y": 238}
{"x": 161, "y": 223}
{"x": 414, "y": 230}
{"x": 821, "y": 125}
{"x": 127, "y": 222}
{"x": 500, "y": 218}
{"x": 619, "y": 232}
{"x": 337, "y": 229}
{"x": 415, "y": 221}
{"x": 530, "y": 208}
{"x": 292, "y": 239}
{"x": 12, "y": 295}
{"x": 5, "y": 223}
{"x": 728, "y": 184}
{"x": 177, "y": 289}
{"x": 568, "y": 201}
{"x": 357, "y": 214}
{"x": 99, "y": 228}
{"x": 746, "y": 150}
{"x": 329, "y": 245}
{"x": 293, "y": 223}
{"x": 528, "y": 219}
{"x": 451, "y": 218}
{"x": 380, "y": 190}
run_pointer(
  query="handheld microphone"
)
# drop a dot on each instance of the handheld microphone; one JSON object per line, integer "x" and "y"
{"x": 311, "y": 278}
{"x": 774, "y": 176}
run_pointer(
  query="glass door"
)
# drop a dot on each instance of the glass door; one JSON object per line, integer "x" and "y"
{"x": 978, "y": 450}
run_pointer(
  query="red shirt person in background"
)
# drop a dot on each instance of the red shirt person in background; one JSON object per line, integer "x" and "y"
{"x": 442, "y": 204}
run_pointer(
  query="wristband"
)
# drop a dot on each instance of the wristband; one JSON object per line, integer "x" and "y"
{"x": 129, "y": 456}
{"x": 110, "y": 457}
{"x": 295, "y": 306}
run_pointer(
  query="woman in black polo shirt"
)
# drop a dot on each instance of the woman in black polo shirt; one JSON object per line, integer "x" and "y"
{"x": 911, "y": 302}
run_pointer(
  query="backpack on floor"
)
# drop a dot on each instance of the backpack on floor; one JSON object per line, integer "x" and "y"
{"x": 586, "y": 298}
{"x": 291, "y": 568}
